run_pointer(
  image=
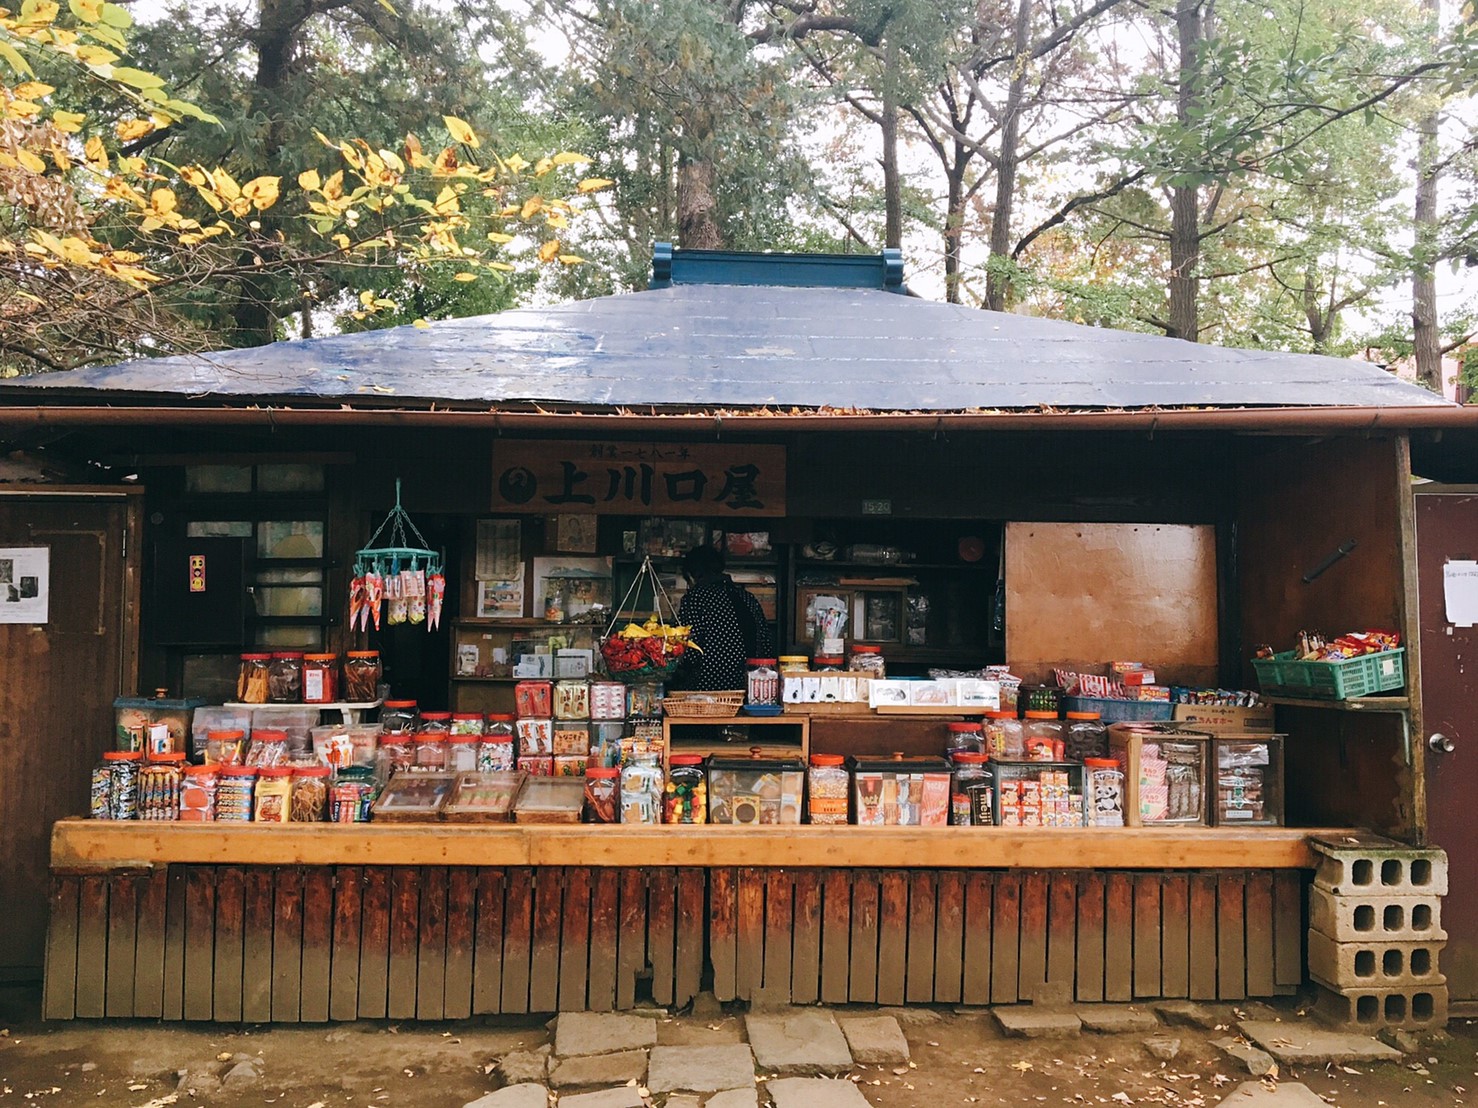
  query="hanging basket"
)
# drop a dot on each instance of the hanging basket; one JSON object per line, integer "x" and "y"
{"x": 643, "y": 653}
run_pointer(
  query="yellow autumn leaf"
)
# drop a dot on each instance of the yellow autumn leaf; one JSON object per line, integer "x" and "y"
{"x": 531, "y": 207}
{"x": 23, "y": 109}
{"x": 569, "y": 157}
{"x": 131, "y": 129}
{"x": 68, "y": 122}
{"x": 446, "y": 163}
{"x": 15, "y": 59}
{"x": 74, "y": 250}
{"x": 163, "y": 201}
{"x": 309, "y": 180}
{"x": 89, "y": 11}
{"x": 571, "y": 259}
{"x": 31, "y": 90}
{"x": 131, "y": 165}
{"x": 333, "y": 188}
{"x": 516, "y": 164}
{"x": 594, "y": 184}
{"x": 30, "y": 161}
{"x": 501, "y": 267}
{"x": 62, "y": 161}
{"x": 95, "y": 55}
{"x": 549, "y": 251}
{"x": 38, "y": 12}
{"x": 465, "y": 277}
{"x": 225, "y": 184}
{"x": 194, "y": 175}
{"x": 341, "y": 241}
{"x": 96, "y": 153}
{"x": 420, "y": 324}
{"x": 461, "y": 131}
{"x": 543, "y": 166}
{"x": 499, "y": 237}
{"x": 262, "y": 191}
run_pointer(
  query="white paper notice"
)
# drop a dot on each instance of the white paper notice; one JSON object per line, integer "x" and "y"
{"x": 25, "y": 584}
{"x": 1460, "y": 590}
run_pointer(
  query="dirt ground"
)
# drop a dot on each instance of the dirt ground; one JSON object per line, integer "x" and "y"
{"x": 958, "y": 1058}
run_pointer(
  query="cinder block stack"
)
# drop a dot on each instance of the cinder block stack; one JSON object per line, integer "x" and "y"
{"x": 1375, "y": 932}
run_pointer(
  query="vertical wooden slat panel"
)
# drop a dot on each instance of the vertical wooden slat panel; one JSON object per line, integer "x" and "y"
{"x": 431, "y": 946}
{"x": 1089, "y": 971}
{"x": 949, "y": 937}
{"x": 343, "y": 986}
{"x": 631, "y": 941}
{"x": 1005, "y": 941}
{"x": 574, "y": 940}
{"x": 200, "y": 937}
{"x": 863, "y": 983}
{"x": 318, "y": 937}
{"x": 287, "y": 946}
{"x": 1288, "y": 928}
{"x": 922, "y": 917}
{"x": 979, "y": 889}
{"x": 174, "y": 945}
{"x": 59, "y": 998}
{"x": 688, "y": 971}
{"x": 1175, "y": 938}
{"x": 405, "y": 916}
{"x": 92, "y": 947}
{"x": 836, "y": 934}
{"x": 1147, "y": 934}
{"x": 723, "y": 913}
{"x": 749, "y": 962}
{"x": 1032, "y": 966}
{"x": 230, "y": 942}
{"x": 805, "y": 964}
{"x": 661, "y": 931}
{"x": 123, "y": 921}
{"x": 148, "y": 980}
{"x": 518, "y": 922}
{"x": 779, "y": 915}
{"x": 487, "y": 953}
{"x": 374, "y": 943}
{"x": 461, "y": 923}
{"x": 604, "y": 918}
{"x": 544, "y": 942}
{"x": 1202, "y": 911}
{"x": 1259, "y": 922}
{"x": 892, "y": 936}
{"x": 1118, "y": 936}
{"x": 1231, "y": 936}
{"x": 1062, "y": 930}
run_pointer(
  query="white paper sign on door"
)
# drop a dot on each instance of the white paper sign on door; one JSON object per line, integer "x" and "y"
{"x": 25, "y": 584}
{"x": 1460, "y": 591}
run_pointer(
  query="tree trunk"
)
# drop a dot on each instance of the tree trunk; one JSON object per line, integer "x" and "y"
{"x": 697, "y": 208}
{"x": 997, "y": 283}
{"x": 1185, "y": 200}
{"x": 954, "y": 224}
{"x": 892, "y": 181}
{"x": 1426, "y": 340}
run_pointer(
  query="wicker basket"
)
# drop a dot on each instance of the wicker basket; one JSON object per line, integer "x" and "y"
{"x": 703, "y": 705}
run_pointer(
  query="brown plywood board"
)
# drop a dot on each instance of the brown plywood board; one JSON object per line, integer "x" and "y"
{"x": 1081, "y": 594}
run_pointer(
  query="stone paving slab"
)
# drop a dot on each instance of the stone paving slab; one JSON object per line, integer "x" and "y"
{"x": 731, "y": 1098}
{"x": 800, "y": 1042}
{"x": 627, "y": 1096}
{"x": 602, "y": 1033}
{"x": 815, "y": 1092}
{"x": 1187, "y": 1013}
{"x": 682, "y": 1100}
{"x": 1116, "y": 1019}
{"x": 523, "y": 1095}
{"x": 1297, "y": 1044}
{"x": 1257, "y": 1061}
{"x": 520, "y": 1067}
{"x": 876, "y": 1040}
{"x": 1287, "y": 1094}
{"x": 598, "y": 1069}
{"x": 700, "y": 1069}
{"x": 1036, "y": 1023}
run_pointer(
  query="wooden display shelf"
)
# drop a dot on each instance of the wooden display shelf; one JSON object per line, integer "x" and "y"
{"x": 1354, "y": 704}
{"x": 769, "y": 744}
{"x": 89, "y": 846}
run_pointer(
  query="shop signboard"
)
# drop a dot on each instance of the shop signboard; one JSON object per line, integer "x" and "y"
{"x": 716, "y": 480}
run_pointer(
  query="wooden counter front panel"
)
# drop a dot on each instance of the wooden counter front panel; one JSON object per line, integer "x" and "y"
{"x": 290, "y": 944}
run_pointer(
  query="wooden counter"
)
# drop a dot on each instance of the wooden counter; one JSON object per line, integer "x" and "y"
{"x": 80, "y": 845}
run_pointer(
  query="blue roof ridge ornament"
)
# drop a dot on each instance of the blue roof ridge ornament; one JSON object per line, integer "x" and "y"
{"x": 674, "y": 266}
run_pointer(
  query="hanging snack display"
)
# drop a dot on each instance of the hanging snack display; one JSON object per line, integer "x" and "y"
{"x": 650, "y": 651}
{"x": 404, "y": 580}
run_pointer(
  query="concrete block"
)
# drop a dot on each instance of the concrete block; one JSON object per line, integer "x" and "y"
{"x": 876, "y": 1040}
{"x": 602, "y": 1033}
{"x": 700, "y": 1069}
{"x": 598, "y": 1069}
{"x": 1393, "y": 919}
{"x": 1379, "y": 867}
{"x": 1116, "y": 1019}
{"x": 1033, "y": 1023}
{"x": 1420, "y": 1008}
{"x": 1372, "y": 964}
{"x": 801, "y": 1042}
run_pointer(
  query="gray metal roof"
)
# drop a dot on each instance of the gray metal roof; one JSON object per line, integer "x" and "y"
{"x": 743, "y": 347}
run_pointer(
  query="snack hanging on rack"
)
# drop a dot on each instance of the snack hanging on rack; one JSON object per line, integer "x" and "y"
{"x": 415, "y": 586}
{"x": 435, "y": 594}
{"x": 395, "y": 598}
{"x": 374, "y": 587}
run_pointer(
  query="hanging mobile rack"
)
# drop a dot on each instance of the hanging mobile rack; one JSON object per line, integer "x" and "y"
{"x": 398, "y": 554}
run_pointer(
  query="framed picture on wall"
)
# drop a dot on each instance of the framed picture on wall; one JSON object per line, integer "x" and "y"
{"x": 574, "y": 534}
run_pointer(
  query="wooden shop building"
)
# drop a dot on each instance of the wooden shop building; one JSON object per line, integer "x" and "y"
{"x": 1125, "y": 496}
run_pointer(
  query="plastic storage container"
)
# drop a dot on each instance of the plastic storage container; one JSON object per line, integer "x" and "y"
{"x": 762, "y": 683}
{"x": 1165, "y": 774}
{"x": 431, "y": 750}
{"x": 297, "y": 720}
{"x": 320, "y": 678}
{"x": 755, "y": 790}
{"x": 198, "y": 794}
{"x": 1247, "y": 789}
{"x": 97, "y": 797}
{"x": 1044, "y": 737}
{"x": 123, "y": 783}
{"x": 1003, "y": 734}
{"x": 362, "y": 676}
{"x": 285, "y": 677}
{"x": 251, "y": 678}
{"x": 828, "y": 786}
{"x": 1038, "y": 794}
{"x": 225, "y": 748}
{"x": 482, "y": 798}
{"x": 461, "y": 753}
{"x": 685, "y": 795}
{"x": 310, "y": 794}
{"x": 267, "y": 748}
{"x": 901, "y": 792}
{"x": 641, "y": 791}
{"x": 602, "y": 794}
{"x": 399, "y": 717}
{"x": 159, "y": 787}
{"x": 435, "y": 722}
{"x": 972, "y": 790}
{"x": 1103, "y": 791}
{"x": 963, "y": 736}
{"x": 1086, "y": 737}
{"x": 235, "y": 794}
{"x": 869, "y": 660}
{"x": 468, "y": 723}
{"x": 273, "y": 800}
{"x": 154, "y": 725}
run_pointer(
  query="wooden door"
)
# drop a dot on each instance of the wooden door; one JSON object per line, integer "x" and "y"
{"x": 1447, "y": 530}
{"x": 57, "y": 685}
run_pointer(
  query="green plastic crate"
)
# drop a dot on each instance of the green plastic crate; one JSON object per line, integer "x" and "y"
{"x": 1283, "y": 674}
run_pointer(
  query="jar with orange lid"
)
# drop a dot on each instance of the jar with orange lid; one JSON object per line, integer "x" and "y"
{"x": 309, "y": 802}
{"x": 362, "y": 676}
{"x": 827, "y": 787}
{"x": 320, "y": 678}
{"x": 1086, "y": 737}
{"x": 273, "y": 797}
{"x": 461, "y": 752}
{"x": 972, "y": 786}
{"x": 122, "y": 798}
{"x": 602, "y": 795}
{"x": 963, "y": 736}
{"x": 399, "y": 717}
{"x": 685, "y": 794}
{"x": 1003, "y": 736}
{"x": 794, "y": 663}
{"x": 251, "y": 678}
{"x": 467, "y": 723}
{"x": 285, "y": 677}
{"x": 198, "y": 793}
{"x": 1103, "y": 792}
{"x": 827, "y": 663}
{"x": 1044, "y": 737}
{"x": 225, "y": 748}
{"x": 869, "y": 660}
{"x": 235, "y": 794}
{"x": 159, "y": 787}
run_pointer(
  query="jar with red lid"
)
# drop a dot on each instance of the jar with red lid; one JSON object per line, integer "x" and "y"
{"x": 461, "y": 752}
{"x": 869, "y": 660}
{"x": 826, "y": 663}
{"x": 685, "y": 796}
{"x": 235, "y": 794}
{"x": 1003, "y": 734}
{"x": 225, "y": 748}
{"x": 285, "y": 677}
{"x": 1103, "y": 792}
{"x": 251, "y": 678}
{"x": 1086, "y": 737}
{"x": 274, "y": 793}
{"x": 468, "y": 723}
{"x": 159, "y": 787}
{"x": 320, "y": 678}
{"x": 602, "y": 795}
{"x": 431, "y": 750}
{"x": 310, "y": 794}
{"x": 362, "y": 676}
{"x": 1044, "y": 738}
{"x": 971, "y": 790}
{"x": 198, "y": 793}
{"x": 762, "y": 683}
{"x": 399, "y": 717}
{"x": 123, "y": 782}
{"x": 440, "y": 722}
{"x": 963, "y": 736}
{"x": 828, "y": 785}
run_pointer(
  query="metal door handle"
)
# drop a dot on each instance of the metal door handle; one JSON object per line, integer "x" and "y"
{"x": 1441, "y": 744}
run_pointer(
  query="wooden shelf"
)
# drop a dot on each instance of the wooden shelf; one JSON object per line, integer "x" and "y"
{"x": 894, "y": 567}
{"x": 1356, "y": 704}
{"x": 498, "y": 680}
{"x": 82, "y": 846}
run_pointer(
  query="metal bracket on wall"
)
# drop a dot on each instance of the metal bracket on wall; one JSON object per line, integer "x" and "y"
{"x": 1319, "y": 570}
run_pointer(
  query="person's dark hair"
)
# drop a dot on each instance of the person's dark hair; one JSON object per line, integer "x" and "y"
{"x": 702, "y": 561}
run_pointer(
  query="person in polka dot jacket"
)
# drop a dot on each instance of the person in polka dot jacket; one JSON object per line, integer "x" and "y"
{"x": 728, "y": 624}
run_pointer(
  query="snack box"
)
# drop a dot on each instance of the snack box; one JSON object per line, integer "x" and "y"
{"x": 1037, "y": 794}
{"x": 483, "y": 797}
{"x": 755, "y": 790}
{"x": 1226, "y": 718}
{"x": 1247, "y": 780}
{"x": 1166, "y": 773}
{"x": 550, "y": 800}
{"x": 411, "y": 797}
{"x": 535, "y": 736}
{"x": 534, "y": 698}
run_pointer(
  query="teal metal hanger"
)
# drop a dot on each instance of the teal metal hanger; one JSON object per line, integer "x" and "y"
{"x": 398, "y": 553}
